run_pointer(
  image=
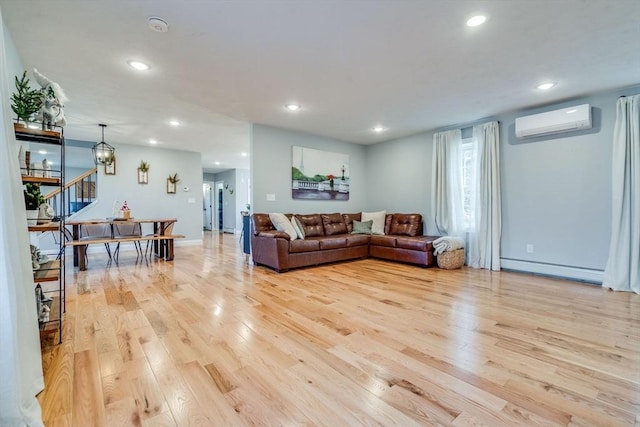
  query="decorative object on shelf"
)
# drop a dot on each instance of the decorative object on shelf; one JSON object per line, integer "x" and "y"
{"x": 110, "y": 168}
{"x": 26, "y": 101}
{"x": 125, "y": 212}
{"x": 172, "y": 182}
{"x": 45, "y": 213}
{"x": 24, "y": 170}
{"x": 52, "y": 102}
{"x": 35, "y": 257}
{"x": 27, "y": 160}
{"x": 143, "y": 172}
{"x": 103, "y": 153}
{"x": 32, "y": 200}
{"x": 46, "y": 169}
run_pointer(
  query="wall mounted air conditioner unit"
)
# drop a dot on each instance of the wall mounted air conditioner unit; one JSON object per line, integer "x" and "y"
{"x": 564, "y": 120}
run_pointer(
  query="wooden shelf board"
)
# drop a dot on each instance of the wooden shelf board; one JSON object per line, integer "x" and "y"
{"x": 40, "y": 180}
{"x": 48, "y": 272}
{"x": 38, "y": 135}
{"x": 52, "y": 226}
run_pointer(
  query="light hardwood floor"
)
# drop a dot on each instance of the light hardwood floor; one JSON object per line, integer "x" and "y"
{"x": 213, "y": 341}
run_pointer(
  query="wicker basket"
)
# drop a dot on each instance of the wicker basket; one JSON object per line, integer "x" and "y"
{"x": 451, "y": 260}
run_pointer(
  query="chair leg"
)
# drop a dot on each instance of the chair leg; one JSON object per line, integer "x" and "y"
{"x": 116, "y": 253}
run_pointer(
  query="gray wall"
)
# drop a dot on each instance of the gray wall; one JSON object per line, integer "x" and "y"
{"x": 556, "y": 190}
{"x": 151, "y": 200}
{"x": 271, "y": 150}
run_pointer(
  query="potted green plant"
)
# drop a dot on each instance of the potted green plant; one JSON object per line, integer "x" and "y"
{"x": 26, "y": 101}
{"x": 32, "y": 199}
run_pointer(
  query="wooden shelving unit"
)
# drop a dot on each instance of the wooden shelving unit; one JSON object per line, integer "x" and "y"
{"x": 51, "y": 274}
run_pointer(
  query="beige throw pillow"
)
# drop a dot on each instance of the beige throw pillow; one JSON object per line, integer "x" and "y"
{"x": 378, "y": 219}
{"x": 282, "y": 223}
{"x": 295, "y": 222}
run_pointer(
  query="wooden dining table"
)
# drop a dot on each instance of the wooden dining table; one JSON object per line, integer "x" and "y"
{"x": 160, "y": 249}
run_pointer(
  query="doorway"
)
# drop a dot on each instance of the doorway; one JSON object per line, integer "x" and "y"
{"x": 207, "y": 205}
{"x": 219, "y": 206}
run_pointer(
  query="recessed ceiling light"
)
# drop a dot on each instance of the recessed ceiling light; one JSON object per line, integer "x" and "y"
{"x": 243, "y": 154}
{"x": 378, "y": 129}
{"x": 216, "y": 163}
{"x": 174, "y": 123}
{"x": 476, "y": 20}
{"x": 153, "y": 141}
{"x": 293, "y": 107}
{"x": 140, "y": 66}
{"x": 546, "y": 86}
{"x": 42, "y": 152}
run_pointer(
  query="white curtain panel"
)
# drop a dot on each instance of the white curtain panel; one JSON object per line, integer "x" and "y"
{"x": 622, "y": 272}
{"x": 483, "y": 249}
{"x": 20, "y": 360}
{"x": 446, "y": 207}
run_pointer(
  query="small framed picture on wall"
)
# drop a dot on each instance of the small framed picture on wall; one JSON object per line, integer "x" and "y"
{"x": 171, "y": 186}
{"x": 110, "y": 168}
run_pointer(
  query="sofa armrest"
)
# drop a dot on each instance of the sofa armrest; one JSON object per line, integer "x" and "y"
{"x": 274, "y": 234}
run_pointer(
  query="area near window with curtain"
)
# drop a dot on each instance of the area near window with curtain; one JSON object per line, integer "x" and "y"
{"x": 466, "y": 191}
{"x": 622, "y": 272}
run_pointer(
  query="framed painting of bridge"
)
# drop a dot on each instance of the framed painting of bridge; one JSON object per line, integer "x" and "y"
{"x": 319, "y": 175}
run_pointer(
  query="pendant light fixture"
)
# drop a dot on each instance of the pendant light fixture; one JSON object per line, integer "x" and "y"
{"x": 103, "y": 153}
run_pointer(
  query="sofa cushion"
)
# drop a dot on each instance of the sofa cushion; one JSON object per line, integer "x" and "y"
{"x": 349, "y": 218}
{"x": 282, "y": 223}
{"x": 297, "y": 246}
{"x": 357, "y": 240}
{"x": 333, "y": 242}
{"x": 312, "y": 225}
{"x": 378, "y": 221}
{"x": 405, "y": 224}
{"x": 389, "y": 241}
{"x": 295, "y": 222}
{"x": 333, "y": 224}
{"x": 362, "y": 227}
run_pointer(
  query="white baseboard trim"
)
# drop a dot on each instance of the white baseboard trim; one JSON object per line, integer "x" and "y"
{"x": 555, "y": 270}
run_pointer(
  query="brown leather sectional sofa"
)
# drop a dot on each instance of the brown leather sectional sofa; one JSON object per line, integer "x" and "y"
{"x": 328, "y": 238}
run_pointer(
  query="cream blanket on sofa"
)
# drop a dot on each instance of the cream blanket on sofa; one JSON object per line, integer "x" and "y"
{"x": 447, "y": 243}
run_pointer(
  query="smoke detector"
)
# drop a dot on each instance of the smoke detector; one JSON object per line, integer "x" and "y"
{"x": 158, "y": 24}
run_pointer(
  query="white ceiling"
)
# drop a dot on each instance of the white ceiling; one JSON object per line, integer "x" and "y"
{"x": 410, "y": 66}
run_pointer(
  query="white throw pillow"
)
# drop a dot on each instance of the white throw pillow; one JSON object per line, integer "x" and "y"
{"x": 378, "y": 219}
{"x": 281, "y": 223}
{"x": 297, "y": 226}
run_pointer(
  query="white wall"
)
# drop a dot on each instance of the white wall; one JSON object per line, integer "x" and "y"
{"x": 151, "y": 200}
{"x": 271, "y": 150}
{"x": 556, "y": 190}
